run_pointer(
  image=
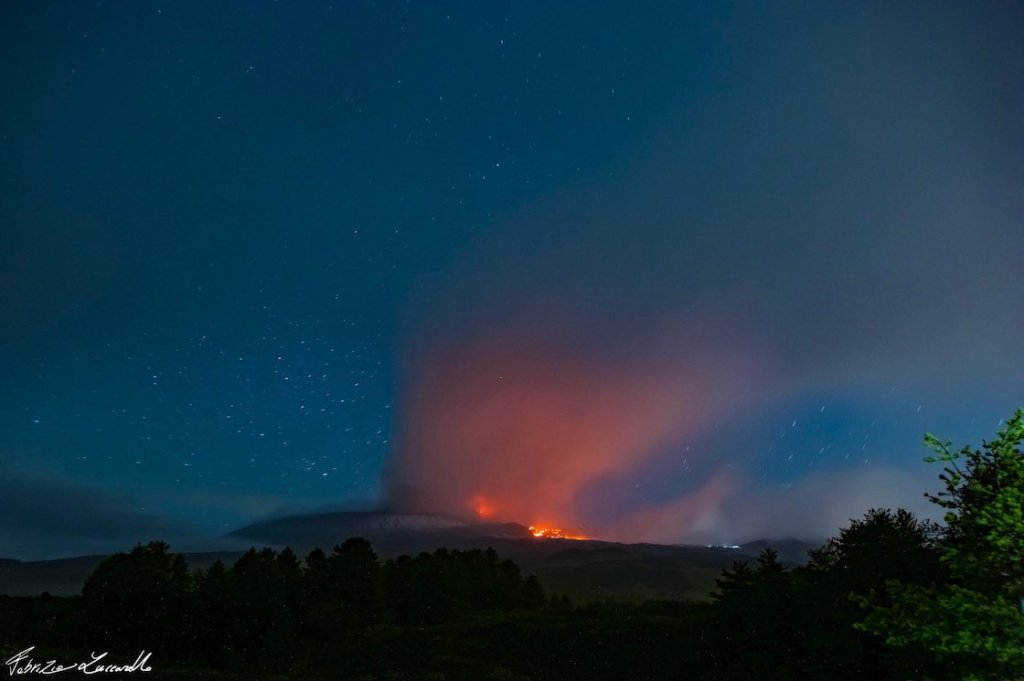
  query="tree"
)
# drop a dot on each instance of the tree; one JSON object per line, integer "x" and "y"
{"x": 216, "y": 619}
{"x": 353, "y": 570}
{"x": 984, "y": 502}
{"x": 768, "y": 566}
{"x": 739, "y": 585}
{"x": 972, "y": 620}
{"x": 734, "y": 582}
{"x": 341, "y": 591}
{"x": 881, "y": 546}
{"x": 533, "y": 594}
{"x": 260, "y": 594}
{"x": 756, "y": 621}
{"x": 134, "y": 600}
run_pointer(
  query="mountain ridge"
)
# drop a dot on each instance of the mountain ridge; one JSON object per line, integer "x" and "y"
{"x": 585, "y": 569}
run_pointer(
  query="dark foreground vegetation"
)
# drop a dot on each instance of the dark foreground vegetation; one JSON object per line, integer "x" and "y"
{"x": 890, "y": 597}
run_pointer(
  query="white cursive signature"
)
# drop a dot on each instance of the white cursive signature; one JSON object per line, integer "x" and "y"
{"x": 23, "y": 664}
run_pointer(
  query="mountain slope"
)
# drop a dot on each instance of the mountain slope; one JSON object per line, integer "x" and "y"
{"x": 584, "y": 569}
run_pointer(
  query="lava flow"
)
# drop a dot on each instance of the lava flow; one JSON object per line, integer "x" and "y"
{"x": 544, "y": 532}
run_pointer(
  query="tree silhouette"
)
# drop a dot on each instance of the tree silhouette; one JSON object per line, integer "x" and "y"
{"x": 533, "y": 594}
{"x": 352, "y": 571}
{"x": 881, "y": 546}
{"x": 137, "y": 599}
{"x": 973, "y": 620}
{"x": 858, "y": 562}
{"x": 756, "y": 620}
{"x": 734, "y": 583}
{"x": 216, "y": 618}
{"x": 260, "y": 594}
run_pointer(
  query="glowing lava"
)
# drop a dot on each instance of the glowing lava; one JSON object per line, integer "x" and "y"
{"x": 483, "y": 508}
{"x": 544, "y": 532}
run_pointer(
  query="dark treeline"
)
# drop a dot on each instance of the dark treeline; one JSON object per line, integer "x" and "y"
{"x": 889, "y": 597}
{"x": 270, "y": 608}
{"x": 462, "y": 613}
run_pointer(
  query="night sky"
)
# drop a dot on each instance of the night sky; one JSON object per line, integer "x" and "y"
{"x": 671, "y": 271}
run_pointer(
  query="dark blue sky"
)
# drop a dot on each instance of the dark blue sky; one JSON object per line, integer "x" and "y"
{"x": 233, "y": 232}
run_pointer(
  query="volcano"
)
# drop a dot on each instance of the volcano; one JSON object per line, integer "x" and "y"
{"x": 585, "y": 569}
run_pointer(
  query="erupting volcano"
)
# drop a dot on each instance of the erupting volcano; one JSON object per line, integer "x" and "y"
{"x": 485, "y": 511}
{"x": 510, "y": 429}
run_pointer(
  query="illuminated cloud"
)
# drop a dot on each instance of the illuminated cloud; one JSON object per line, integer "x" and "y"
{"x": 512, "y": 427}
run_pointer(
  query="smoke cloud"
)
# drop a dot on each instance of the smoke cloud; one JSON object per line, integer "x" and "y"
{"x": 833, "y": 235}
{"x": 515, "y": 427}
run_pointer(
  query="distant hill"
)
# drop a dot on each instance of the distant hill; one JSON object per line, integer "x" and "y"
{"x": 584, "y": 569}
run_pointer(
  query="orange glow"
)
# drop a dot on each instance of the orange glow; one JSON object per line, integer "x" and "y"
{"x": 483, "y": 508}
{"x": 513, "y": 429}
{"x": 544, "y": 532}
{"x": 522, "y": 425}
